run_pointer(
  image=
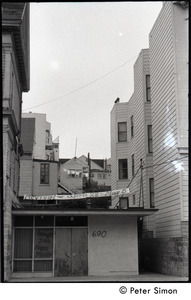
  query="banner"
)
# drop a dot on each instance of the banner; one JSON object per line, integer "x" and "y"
{"x": 79, "y": 196}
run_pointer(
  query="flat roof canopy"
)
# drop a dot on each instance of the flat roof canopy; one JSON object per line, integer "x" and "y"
{"x": 140, "y": 212}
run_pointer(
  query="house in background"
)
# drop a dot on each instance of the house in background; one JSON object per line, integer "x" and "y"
{"x": 16, "y": 80}
{"x": 76, "y": 172}
{"x": 149, "y": 143}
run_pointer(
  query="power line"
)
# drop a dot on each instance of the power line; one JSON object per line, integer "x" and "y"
{"x": 166, "y": 162}
{"x": 83, "y": 86}
{"x": 141, "y": 167}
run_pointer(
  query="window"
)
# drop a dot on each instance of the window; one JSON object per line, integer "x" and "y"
{"x": 151, "y": 191}
{"x": 122, "y": 132}
{"x": 150, "y": 139}
{"x": 123, "y": 169}
{"x": 132, "y": 127}
{"x": 44, "y": 173}
{"x": 133, "y": 165}
{"x": 148, "y": 88}
{"x": 123, "y": 203}
{"x": 133, "y": 199}
{"x": 33, "y": 244}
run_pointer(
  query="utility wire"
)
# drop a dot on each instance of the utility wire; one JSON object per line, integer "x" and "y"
{"x": 83, "y": 86}
{"x": 141, "y": 166}
{"x": 166, "y": 162}
{"x": 129, "y": 184}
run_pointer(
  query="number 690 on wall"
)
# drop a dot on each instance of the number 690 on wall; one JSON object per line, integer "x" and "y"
{"x": 99, "y": 233}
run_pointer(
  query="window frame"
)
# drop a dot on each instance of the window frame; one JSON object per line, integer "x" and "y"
{"x": 148, "y": 88}
{"x": 151, "y": 193}
{"x": 122, "y": 169}
{"x": 133, "y": 164}
{"x": 122, "y": 201}
{"x": 46, "y": 174}
{"x": 132, "y": 126}
{"x": 150, "y": 138}
{"x": 121, "y": 133}
{"x": 134, "y": 199}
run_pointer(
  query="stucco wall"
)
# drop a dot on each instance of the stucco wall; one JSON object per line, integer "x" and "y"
{"x": 117, "y": 251}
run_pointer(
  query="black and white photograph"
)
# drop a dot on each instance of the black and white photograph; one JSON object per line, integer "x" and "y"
{"x": 95, "y": 157}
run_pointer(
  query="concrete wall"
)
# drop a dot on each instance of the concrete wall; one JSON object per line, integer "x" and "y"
{"x": 165, "y": 255}
{"x": 117, "y": 252}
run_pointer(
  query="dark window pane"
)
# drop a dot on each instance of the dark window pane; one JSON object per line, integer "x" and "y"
{"x": 23, "y": 243}
{"x": 122, "y": 136}
{"x": 72, "y": 221}
{"x": 151, "y": 187}
{"x": 44, "y": 220}
{"x": 43, "y": 265}
{"x": 148, "y": 88}
{"x": 44, "y": 173}
{"x": 22, "y": 266}
{"x": 122, "y": 132}
{"x": 23, "y": 221}
{"x": 43, "y": 247}
{"x": 124, "y": 203}
{"x": 123, "y": 172}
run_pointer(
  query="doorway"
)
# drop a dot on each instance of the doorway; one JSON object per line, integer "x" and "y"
{"x": 71, "y": 252}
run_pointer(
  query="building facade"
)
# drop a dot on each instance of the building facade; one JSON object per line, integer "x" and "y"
{"x": 149, "y": 143}
{"x": 16, "y": 80}
{"x": 43, "y": 145}
{"x": 169, "y": 95}
{"x": 39, "y": 163}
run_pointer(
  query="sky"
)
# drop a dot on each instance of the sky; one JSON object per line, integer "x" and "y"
{"x": 81, "y": 59}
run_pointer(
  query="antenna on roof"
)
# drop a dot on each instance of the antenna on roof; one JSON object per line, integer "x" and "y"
{"x": 75, "y": 148}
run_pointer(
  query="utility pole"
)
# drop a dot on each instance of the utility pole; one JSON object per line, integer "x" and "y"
{"x": 89, "y": 169}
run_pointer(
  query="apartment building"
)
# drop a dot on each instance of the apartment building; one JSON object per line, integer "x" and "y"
{"x": 168, "y": 44}
{"x": 16, "y": 80}
{"x": 149, "y": 143}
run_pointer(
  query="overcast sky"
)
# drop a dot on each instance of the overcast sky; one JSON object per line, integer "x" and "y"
{"x": 81, "y": 59}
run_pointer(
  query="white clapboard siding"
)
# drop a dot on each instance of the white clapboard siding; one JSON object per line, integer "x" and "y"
{"x": 164, "y": 118}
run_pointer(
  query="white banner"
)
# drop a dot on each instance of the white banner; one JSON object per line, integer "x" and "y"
{"x": 79, "y": 196}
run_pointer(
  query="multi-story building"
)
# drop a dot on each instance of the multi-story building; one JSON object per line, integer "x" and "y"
{"x": 43, "y": 147}
{"x": 39, "y": 163}
{"x": 168, "y": 44}
{"x": 16, "y": 80}
{"x": 149, "y": 143}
